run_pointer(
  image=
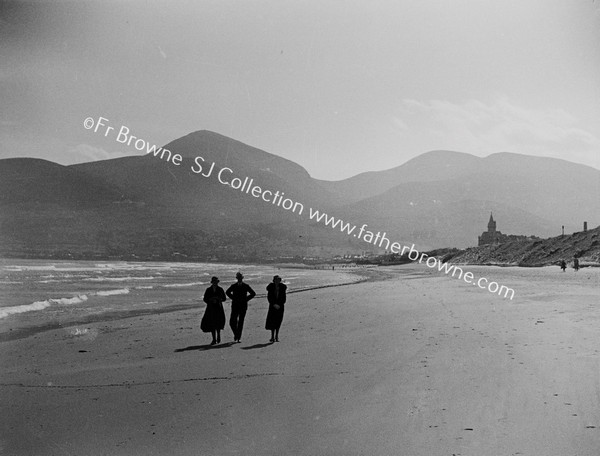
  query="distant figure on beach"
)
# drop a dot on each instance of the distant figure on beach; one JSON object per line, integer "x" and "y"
{"x": 576, "y": 264}
{"x": 563, "y": 265}
{"x": 240, "y": 293}
{"x": 276, "y": 297}
{"x": 213, "y": 320}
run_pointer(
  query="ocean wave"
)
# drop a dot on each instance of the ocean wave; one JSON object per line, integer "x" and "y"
{"x": 191, "y": 284}
{"x": 74, "y": 300}
{"x": 98, "y": 267}
{"x": 6, "y": 311}
{"x": 116, "y": 279}
{"x": 112, "y": 292}
{"x": 61, "y": 277}
{"x": 40, "y": 305}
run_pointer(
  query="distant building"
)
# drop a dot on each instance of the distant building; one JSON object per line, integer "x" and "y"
{"x": 491, "y": 236}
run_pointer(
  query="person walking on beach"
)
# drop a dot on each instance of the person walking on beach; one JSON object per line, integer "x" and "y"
{"x": 276, "y": 297}
{"x": 239, "y": 293}
{"x": 576, "y": 264}
{"x": 563, "y": 265}
{"x": 213, "y": 320}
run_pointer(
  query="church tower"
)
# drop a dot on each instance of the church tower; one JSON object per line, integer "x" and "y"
{"x": 491, "y": 236}
{"x": 491, "y": 224}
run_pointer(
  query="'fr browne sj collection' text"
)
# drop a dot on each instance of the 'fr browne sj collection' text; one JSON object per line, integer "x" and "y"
{"x": 225, "y": 176}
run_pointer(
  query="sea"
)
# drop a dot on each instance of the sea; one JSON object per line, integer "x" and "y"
{"x": 38, "y": 294}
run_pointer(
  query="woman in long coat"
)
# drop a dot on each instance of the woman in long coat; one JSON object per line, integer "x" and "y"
{"x": 213, "y": 320}
{"x": 276, "y": 297}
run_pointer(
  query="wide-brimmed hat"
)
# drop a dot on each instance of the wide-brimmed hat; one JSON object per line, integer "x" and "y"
{"x": 214, "y": 280}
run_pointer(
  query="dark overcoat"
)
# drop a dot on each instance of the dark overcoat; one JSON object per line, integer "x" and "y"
{"x": 276, "y": 298}
{"x": 214, "y": 315}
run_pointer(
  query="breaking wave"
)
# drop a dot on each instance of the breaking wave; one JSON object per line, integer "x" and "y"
{"x": 40, "y": 305}
{"x": 113, "y": 292}
{"x": 116, "y": 279}
{"x": 191, "y": 284}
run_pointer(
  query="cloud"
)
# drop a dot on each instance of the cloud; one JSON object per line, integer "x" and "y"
{"x": 400, "y": 124}
{"x": 500, "y": 126}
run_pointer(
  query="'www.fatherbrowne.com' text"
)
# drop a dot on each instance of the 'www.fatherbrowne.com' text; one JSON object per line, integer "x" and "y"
{"x": 381, "y": 240}
{"x": 226, "y": 177}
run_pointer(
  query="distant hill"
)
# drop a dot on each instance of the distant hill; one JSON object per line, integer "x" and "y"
{"x": 429, "y": 167}
{"x": 543, "y": 252}
{"x": 144, "y": 207}
{"x": 444, "y": 198}
{"x": 29, "y": 181}
{"x": 152, "y": 179}
{"x": 147, "y": 207}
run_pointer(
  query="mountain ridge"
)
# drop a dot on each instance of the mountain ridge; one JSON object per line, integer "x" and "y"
{"x": 144, "y": 206}
{"x": 420, "y": 169}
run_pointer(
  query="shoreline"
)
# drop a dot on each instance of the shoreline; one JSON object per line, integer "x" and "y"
{"x": 21, "y": 333}
{"x": 350, "y": 268}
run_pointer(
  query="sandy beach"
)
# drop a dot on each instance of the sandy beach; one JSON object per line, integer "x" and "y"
{"x": 415, "y": 363}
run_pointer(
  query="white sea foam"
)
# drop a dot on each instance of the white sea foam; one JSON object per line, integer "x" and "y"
{"x": 40, "y": 305}
{"x": 98, "y": 267}
{"x": 113, "y": 292}
{"x": 116, "y": 279}
{"x": 6, "y": 311}
{"x": 191, "y": 284}
{"x": 54, "y": 278}
{"x": 74, "y": 300}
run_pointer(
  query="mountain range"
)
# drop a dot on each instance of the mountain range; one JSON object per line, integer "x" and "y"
{"x": 157, "y": 207}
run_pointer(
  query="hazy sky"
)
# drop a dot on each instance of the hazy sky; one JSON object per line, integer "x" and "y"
{"x": 339, "y": 87}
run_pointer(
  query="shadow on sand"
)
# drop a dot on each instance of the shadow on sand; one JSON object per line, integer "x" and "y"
{"x": 204, "y": 347}
{"x": 251, "y": 347}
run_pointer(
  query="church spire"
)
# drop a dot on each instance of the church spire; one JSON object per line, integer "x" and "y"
{"x": 491, "y": 224}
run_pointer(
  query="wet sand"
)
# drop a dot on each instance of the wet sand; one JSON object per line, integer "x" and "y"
{"x": 417, "y": 364}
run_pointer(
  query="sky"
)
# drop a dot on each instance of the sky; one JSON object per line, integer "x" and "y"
{"x": 339, "y": 87}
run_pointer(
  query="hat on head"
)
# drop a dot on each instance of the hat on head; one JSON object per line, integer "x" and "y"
{"x": 239, "y": 274}
{"x": 275, "y": 277}
{"x": 214, "y": 279}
